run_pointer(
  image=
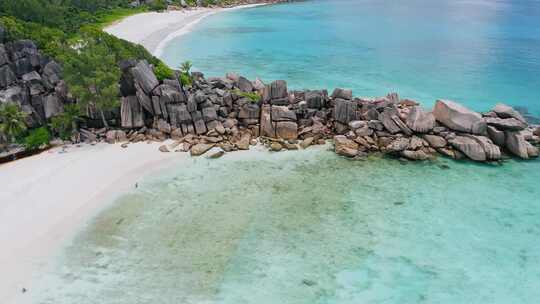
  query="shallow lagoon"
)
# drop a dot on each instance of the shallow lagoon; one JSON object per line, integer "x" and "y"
{"x": 311, "y": 227}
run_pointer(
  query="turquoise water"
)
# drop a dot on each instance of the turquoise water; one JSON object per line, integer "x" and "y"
{"x": 311, "y": 227}
{"x": 478, "y": 52}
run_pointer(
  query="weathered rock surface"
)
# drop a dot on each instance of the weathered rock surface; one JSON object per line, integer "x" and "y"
{"x": 435, "y": 141}
{"x": 200, "y": 149}
{"x": 457, "y": 117}
{"x": 516, "y": 143}
{"x": 398, "y": 145}
{"x": 496, "y": 136}
{"x": 420, "y": 121}
{"x": 505, "y": 111}
{"x": 344, "y": 146}
{"x": 342, "y": 94}
{"x": 506, "y": 124}
{"x": 470, "y": 147}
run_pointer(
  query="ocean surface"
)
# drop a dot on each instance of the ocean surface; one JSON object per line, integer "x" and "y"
{"x": 309, "y": 227}
{"x": 478, "y": 52}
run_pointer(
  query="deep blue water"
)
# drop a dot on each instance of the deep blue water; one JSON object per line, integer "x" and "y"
{"x": 478, "y": 52}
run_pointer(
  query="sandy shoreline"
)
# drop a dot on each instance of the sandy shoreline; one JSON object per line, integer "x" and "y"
{"x": 47, "y": 198}
{"x": 154, "y": 30}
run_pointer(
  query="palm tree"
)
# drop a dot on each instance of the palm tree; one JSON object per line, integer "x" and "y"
{"x": 186, "y": 67}
{"x": 13, "y": 121}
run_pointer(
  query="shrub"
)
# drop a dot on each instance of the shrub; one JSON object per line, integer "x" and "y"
{"x": 158, "y": 5}
{"x": 253, "y": 97}
{"x": 162, "y": 71}
{"x": 13, "y": 121}
{"x": 185, "y": 79}
{"x": 66, "y": 122}
{"x": 37, "y": 138}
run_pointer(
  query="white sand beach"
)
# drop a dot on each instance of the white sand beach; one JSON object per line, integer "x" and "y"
{"x": 45, "y": 199}
{"x": 154, "y": 30}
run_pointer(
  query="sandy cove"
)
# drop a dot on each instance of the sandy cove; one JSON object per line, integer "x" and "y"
{"x": 154, "y": 30}
{"x": 47, "y": 198}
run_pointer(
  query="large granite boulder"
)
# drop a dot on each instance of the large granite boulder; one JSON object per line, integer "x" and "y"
{"x": 435, "y": 141}
{"x": 468, "y": 146}
{"x": 244, "y": 84}
{"x": 200, "y": 149}
{"x": 287, "y": 130}
{"x": 145, "y": 77}
{"x": 505, "y": 111}
{"x": 506, "y": 124}
{"x": 282, "y": 113}
{"x": 493, "y": 152}
{"x": 457, "y": 117}
{"x": 249, "y": 113}
{"x": 314, "y": 99}
{"x": 22, "y": 66}
{"x": 266, "y": 125}
{"x": 52, "y": 74}
{"x": 420, "y": 121}
{"x": 516, "y": 143}
{"x": 345, "y": 111}
{"x": 7, "y": 77}
{"x": 4, "y": 58}
{"x": 387, "y": 118}
{"x": 2, "y": 34}
{"x": 52, "y": 106}
{"x": 344, "y": 146}
{"x": 277, "y": 90}
{"x": 496, "y": 136}
{"x": 209, "y": 114}
{"x": 342, "y": 94}
{"x": 131, "y": 112}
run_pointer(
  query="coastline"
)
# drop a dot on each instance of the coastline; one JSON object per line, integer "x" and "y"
{"x": 161, "y": 28}
{"x": 35, "y": 221}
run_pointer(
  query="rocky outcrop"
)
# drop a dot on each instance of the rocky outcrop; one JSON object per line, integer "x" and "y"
{"x": 32, "y": 81}
{"x": 505, "y": 111}
{"x": 420, "y": 121}
{"x": 516, "y": 143}
{"x": 457, "y": 117}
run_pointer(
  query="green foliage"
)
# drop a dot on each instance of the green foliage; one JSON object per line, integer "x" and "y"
{"x": 37, "y": 138}
{"x": 253, "y": 97}
{"x": 162, "y": 71}
{"x": 12, "y": 121}
{"x": 92, "y": 76}
{"x": 66, "y": 122}
{"x": 185, "y": 73}
{"x": 158, "y": 5}
{"x": 186, "y": 66}
{"x": 50, "y": 41}
{"x": 105, "y": 18}
{"x": 66, "y": 15}
{"x": 185, "y": 79}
